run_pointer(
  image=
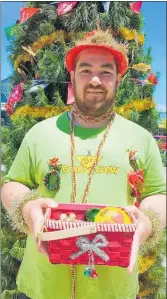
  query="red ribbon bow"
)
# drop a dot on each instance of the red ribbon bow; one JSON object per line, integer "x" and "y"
{"x": 136, "y": 181}
{"x": 54, "y": 162}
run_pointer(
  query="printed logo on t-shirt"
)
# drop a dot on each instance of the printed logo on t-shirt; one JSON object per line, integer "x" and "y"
{"x": 85, "y": 164}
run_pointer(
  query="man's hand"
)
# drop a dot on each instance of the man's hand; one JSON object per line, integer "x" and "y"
{"x": 33, "y": 214}
{"x": 142, "y": 233}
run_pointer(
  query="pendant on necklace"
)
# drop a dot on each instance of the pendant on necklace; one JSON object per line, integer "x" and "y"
{"x": 52, "y": 179}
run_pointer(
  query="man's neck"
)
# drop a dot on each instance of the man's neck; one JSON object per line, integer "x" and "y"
{"x": 81, "y": 123}
{"x": 90, "y": 124}
{"x": 90, "y": 121}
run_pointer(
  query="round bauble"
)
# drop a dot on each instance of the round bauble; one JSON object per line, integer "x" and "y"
{"x": 113, "y": 215}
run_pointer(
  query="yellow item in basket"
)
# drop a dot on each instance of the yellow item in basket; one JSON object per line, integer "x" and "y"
{"x": 113, "y": 215}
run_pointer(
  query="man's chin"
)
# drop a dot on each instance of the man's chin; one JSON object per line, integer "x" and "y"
{"x": 94, "y": 104}
{"x": 96, "y": 98}
{"x": 92, "y": 110}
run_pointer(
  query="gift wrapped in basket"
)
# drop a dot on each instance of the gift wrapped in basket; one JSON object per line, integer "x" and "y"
{"x": 88, "y": 234}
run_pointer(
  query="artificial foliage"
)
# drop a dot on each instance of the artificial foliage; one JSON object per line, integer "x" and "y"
{"x": 37, "y": 51}
{"x": 152, "y": 272}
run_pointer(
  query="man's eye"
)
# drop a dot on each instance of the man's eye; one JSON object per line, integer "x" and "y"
{"x": 85, "y": 71}
{"x": 106, "y": 73}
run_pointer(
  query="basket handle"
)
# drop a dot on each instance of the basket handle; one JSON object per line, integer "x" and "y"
{"x": 68, "y": 233}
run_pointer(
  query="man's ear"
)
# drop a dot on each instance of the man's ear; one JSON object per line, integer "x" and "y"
{"x": 72, "y": 77}
{"x": 118, "y": 79}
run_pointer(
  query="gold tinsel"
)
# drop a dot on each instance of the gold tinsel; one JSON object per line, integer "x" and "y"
{"x": 131, "y": 34}
{"x": 140, "y": 39}
{"x": 44, "y": 41}
{"x": 39, "y": 112}
{"x": 124, "y": 31}
{"x": 21, "y": 58}
{"x": 49, "y": 111}
{"x": 137, "y": 105}
{"x": 146, "y": 262}
{"x": 154, "y": 240}
{"x": 141, "y": 67}
{"x": 48, "y": 40}
{"x": 147, "y": 292}
{"x": 128, "y": 34}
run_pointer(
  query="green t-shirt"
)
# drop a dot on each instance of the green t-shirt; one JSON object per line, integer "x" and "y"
{"x": 39, "y": 279}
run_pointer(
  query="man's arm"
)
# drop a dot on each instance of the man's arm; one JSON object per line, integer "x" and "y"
{"x": 10, "y": 191}
{"x": 156, "y": 203}
{"x": 152, "y": 199}
{"x": 20, "y": 180}
{"x": 32, "y": 212}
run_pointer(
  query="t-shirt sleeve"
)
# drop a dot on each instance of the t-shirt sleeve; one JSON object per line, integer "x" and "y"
{"x": 22, "y": 169}
{"x": 154, "y": 176}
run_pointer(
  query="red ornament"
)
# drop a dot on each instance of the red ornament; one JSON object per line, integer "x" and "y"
{"x": 15, "y": 96}
{"x": 136, "y": 181}
{"x": 136, "y": 6}
{"x": 93, "y": 274}
{"x": 152, "y": 79}
{"x": 27, "y": 13}
{"x": 65, "y": 7}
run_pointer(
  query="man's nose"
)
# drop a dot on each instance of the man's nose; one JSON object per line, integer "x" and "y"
{"x": 95, "y": 80}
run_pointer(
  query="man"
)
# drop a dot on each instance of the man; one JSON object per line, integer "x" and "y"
{"x": 96, "y": 65}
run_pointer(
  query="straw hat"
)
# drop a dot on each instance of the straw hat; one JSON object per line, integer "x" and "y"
{"x": 98, "y": 39}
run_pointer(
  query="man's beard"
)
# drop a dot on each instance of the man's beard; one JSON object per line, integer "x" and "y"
{"x": 94, "y": 107}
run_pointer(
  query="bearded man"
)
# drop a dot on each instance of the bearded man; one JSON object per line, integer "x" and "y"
{"x": 96, "y": 65}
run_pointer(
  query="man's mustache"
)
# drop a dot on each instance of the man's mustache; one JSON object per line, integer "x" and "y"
{"x": 95, "y": 88}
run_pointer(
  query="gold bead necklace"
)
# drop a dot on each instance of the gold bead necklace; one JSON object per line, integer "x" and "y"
{"x": 90, "y": 175}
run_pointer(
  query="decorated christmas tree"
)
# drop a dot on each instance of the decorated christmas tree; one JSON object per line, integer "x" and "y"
{"x": 41, "y": 89}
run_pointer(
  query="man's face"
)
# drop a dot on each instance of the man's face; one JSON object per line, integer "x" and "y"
{"x": 95, "y": 81}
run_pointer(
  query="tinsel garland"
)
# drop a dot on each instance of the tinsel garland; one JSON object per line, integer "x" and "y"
{"x": 147, "y": 292}
{"x": 140, "y": 39}
{"x": 49, "y": 111}
{"x": 39, "y": 112}
{"x": 146, "y": 262}
{"x": 154, "y": 240}
{"x": 15, "y": 211}
{"x": 137, "y": 105}
{"x": 141, "y": 67}
{"x": 61, "y": 36}
{"x": 131, "y": 34}
{"x": 44, "y": 41}
{"x": 22, "y": 58}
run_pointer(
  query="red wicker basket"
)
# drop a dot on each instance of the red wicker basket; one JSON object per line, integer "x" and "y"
{"x": 72, "y": 242}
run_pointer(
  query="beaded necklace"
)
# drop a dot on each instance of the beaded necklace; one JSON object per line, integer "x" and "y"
{"x": 76, "y": 112}
{"x": 90, "y": 175}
